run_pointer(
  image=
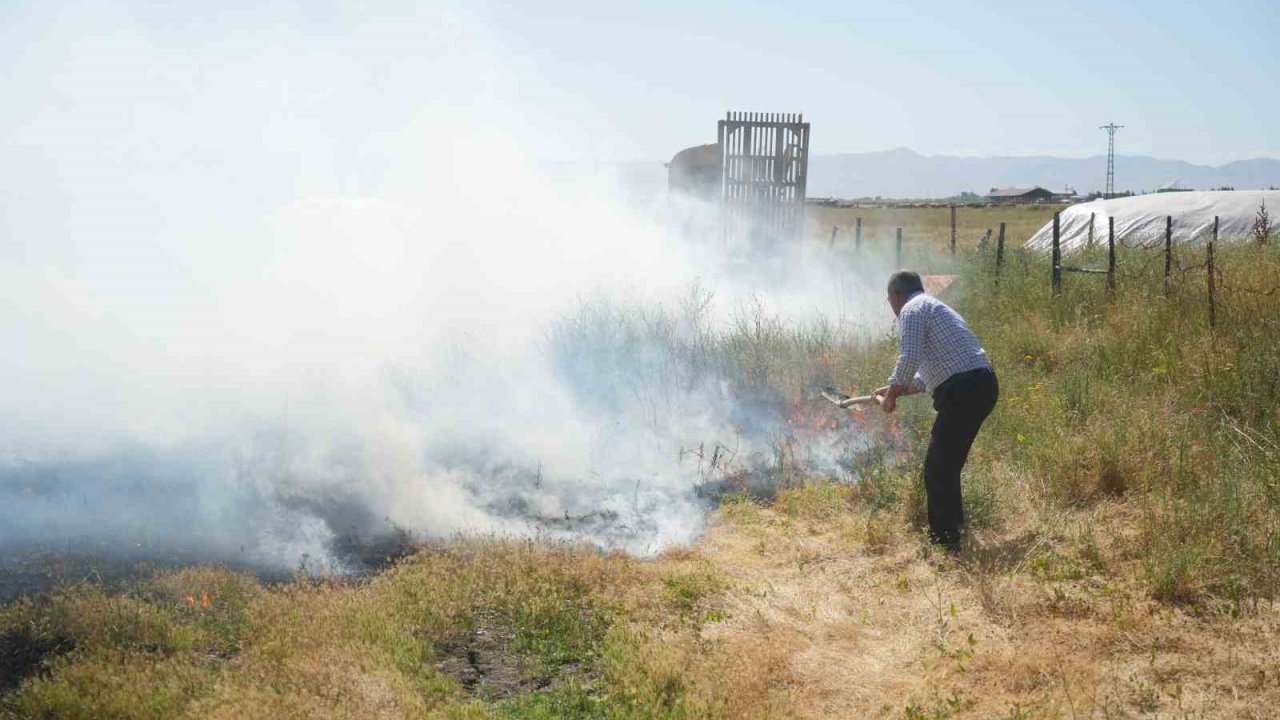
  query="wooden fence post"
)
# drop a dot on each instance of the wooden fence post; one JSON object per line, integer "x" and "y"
{"x": 857, "y": 237}
{"x": 898, "y": 252}
{"x": 953, "y": 229}
{"x": 1168, "y": 250}
{"x": 1111, "y": 255}
{"x": 1000, "y": 250}
{"x": 1213, "y": 299}
{"x": 1057, "y": 257}
{"x": 1091, "y": 218}
{"x": 832, "y": 242}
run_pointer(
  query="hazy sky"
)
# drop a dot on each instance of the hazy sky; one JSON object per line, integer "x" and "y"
{"x": 1190, "y": 80}
{"x": 585, "y": 79}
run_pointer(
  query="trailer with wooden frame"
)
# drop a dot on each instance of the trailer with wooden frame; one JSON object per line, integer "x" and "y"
{"x": 764, "y": 164}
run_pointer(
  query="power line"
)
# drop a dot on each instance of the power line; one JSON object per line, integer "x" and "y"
{"x": 1111, "y": 158}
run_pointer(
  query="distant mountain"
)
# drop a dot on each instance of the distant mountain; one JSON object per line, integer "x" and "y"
{"x": 904, "y": 173}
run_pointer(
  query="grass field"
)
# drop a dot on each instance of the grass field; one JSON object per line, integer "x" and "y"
{"x": 930, "y": 226}
{"x": 1124, "y": 559}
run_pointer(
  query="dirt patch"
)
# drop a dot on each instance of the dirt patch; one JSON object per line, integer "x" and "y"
{"x": 484, "y": 663}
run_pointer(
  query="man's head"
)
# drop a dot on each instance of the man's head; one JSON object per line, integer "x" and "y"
{"x": 902, "y": 285}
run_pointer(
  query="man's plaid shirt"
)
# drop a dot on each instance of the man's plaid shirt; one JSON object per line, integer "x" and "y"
{"x": 936, "y": 344}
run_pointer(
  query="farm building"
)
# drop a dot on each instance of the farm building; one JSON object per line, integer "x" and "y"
{"x": 1022, "y": 194}
{"x": 1140, "y": 220}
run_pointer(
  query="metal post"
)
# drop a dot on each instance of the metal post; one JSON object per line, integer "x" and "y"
{"x": 1168, "y": 250}
{"x": 832, "y": 242}
{"x": 1213, "y": 300}
{"x": 1057, "y": 257}
{"x": 898, "y": 251}
{"x": 1111, "y": 255}
{"x": 953, "y": 229}
{"x": 857, "y": 237}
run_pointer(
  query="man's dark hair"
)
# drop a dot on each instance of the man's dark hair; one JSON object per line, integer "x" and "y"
{"x": 905, "y": 283}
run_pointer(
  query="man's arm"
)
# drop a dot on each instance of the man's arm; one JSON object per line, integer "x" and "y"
{"x": 905, "y": 380}
{"x": 911, "y": 348}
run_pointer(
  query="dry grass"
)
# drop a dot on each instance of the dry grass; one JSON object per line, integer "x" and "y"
{"x": 818, "y": 606}
{"x": 928, "y": 226}
{"x": 1018, "y": 626}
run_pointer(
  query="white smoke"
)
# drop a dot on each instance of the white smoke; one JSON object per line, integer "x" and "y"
{"x": 246, "y": 317}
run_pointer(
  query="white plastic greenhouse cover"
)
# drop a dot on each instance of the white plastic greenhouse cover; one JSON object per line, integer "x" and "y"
{"x": 1140, "y": 219}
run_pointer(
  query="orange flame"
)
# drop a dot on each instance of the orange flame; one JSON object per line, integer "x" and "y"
{"x": 807, "y": 418}
{"x": 813, "y": 420}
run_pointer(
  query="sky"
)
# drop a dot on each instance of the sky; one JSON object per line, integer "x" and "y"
{"x": 1189, "y": 80}
{"x": 327, "y": 82}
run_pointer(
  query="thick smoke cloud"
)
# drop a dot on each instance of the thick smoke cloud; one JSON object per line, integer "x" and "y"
{"x": 275, "y": 282}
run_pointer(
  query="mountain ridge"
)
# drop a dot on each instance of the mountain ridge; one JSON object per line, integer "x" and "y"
{"x": 904, "y": 173}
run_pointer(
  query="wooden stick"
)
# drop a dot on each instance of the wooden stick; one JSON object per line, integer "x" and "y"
{"x": 953, "y": 229}
{"x": 1000, "y": 251}
{"x": 839, "y": 399}
{"x": 1111, "y": 254}
{"x": 1056, "y": 274}
{"x": 1213, "y": 295}
{"x": 861, "y": 400}
{"x": 1168, "y": 250}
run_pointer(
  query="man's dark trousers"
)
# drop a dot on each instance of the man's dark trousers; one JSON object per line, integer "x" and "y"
{"x": 963, "y": 401}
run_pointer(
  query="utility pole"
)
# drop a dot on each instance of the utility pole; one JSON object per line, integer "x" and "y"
{"x": 1111, "y": 157}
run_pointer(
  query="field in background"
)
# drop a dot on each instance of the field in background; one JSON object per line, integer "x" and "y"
{"x": 1124, "y": 561}
{"x": 931, "y": 226}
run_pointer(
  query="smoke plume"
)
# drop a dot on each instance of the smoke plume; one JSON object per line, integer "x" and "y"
{"x": 274, "y": 290}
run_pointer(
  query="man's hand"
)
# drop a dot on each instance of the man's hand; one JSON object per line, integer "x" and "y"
{"x": 888, "y": 398}
{"x": 889, "y": 395}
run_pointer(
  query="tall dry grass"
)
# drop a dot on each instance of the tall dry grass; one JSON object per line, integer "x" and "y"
{"x": 1134, "y": 396}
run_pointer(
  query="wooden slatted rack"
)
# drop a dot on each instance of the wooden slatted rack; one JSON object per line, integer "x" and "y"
{"x": 764, "y": 161}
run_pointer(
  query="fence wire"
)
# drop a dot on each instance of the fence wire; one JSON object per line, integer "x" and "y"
{"x": 1156, "y": 254}
{"x": 1223, "y": 284}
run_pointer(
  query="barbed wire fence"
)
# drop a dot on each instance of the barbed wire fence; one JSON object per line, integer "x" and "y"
{"x": 1179, "y": 268}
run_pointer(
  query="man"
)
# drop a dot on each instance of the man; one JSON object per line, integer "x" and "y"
{"x": 939, "y": 353}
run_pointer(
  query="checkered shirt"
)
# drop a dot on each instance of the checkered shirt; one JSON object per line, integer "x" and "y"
{"x": 936, "y": 344}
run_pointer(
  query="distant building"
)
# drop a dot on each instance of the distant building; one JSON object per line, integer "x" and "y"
{"x": 1028, "y": 194}
{"x": 1175, "y": 186}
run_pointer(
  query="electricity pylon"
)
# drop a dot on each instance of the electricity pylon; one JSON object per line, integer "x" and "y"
{"x": 1111, "y": 157}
